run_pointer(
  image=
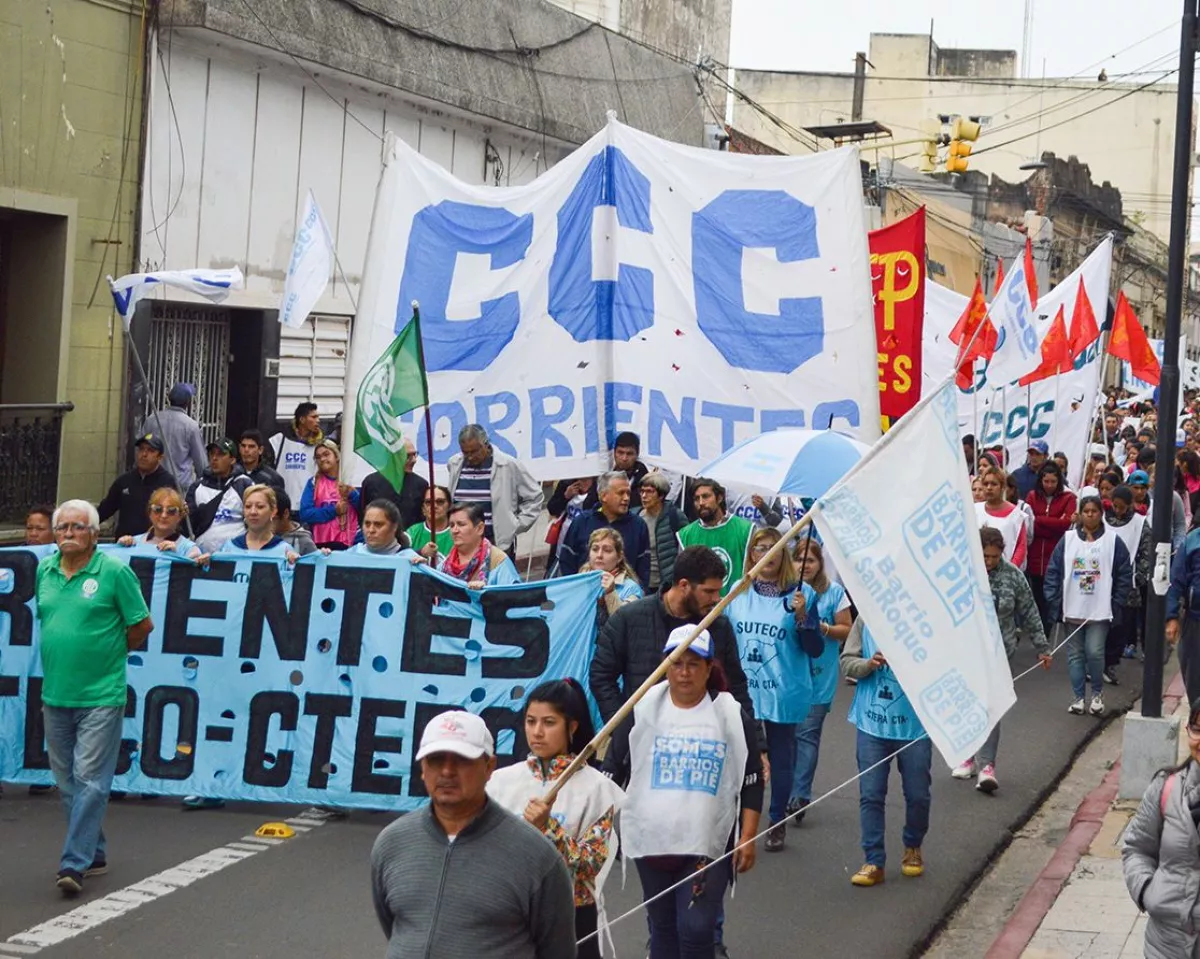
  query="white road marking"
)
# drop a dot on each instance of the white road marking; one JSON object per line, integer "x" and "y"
{"x": 89, "y": 915}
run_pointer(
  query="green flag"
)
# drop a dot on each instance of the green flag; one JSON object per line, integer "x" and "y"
{"x": 392, "y": 387}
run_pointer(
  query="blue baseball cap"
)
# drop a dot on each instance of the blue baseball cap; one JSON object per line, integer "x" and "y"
{"x": 1139, "y": 478}
{"x": 1040, "y": 446}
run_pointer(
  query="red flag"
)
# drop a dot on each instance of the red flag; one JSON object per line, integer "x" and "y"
{"x": 1084, "y": 331}
{"x": 898, "y": 282}
{"x": 999, "y": 275}
{"x": 1128, "y": 342}
{"x": 1030, "y": 273}
{"x": 963, "y": 334}
{"x": 1056, "y": 352}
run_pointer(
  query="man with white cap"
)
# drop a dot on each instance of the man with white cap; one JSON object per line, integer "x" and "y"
{"x": 463, "y": 877}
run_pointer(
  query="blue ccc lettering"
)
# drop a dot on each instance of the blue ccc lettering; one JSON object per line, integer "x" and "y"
{"x": 614, "y": 310}
{"x": 1032, "y": 423}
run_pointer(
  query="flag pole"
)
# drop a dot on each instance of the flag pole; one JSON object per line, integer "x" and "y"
{"x": 416, "y": 318}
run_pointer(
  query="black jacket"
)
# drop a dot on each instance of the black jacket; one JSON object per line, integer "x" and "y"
{"x": 265, "y": 475}
{"x": 408, "y": 500}
{"x": 630, "y": 647}
{"x": 129, "y": 497}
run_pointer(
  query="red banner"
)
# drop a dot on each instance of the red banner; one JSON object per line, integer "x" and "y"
{"x": 898, "y": 283}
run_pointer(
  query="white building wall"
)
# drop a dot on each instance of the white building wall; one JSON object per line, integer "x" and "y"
{"x": 1128, "y": 142}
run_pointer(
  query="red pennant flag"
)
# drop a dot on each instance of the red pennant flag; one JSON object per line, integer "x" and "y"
{"x": 999, "y": 275}
{"x": 1056, "y": 352}
{"x": 1030, "y": 272}
{"x": 1084, "y": 331}
{"x": 964, "y": 335}
{"x": 1128, "y": 342}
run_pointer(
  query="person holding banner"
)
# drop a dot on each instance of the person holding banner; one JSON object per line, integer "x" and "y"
{"x": 834, "y": 621}
{"x": 775, "y": 641}
{"x": 166, "y": 512}
{"x": 606, "y": 555}
{"x": 328, "y": 506}
{"x": 581, "y": 820}
{"x": 887, "y": 727}
{"x": 1016, "y": 610}
{"x": 261, "y": 507}
{"x": 381, "y": 532}
{"x": 695, "y": 792}
{"x": 1087, "y": 582}
{"x": 997, "y": 512}
{"x": 473, "y": 559}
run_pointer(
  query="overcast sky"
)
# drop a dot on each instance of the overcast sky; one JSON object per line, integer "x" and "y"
{"x": 1071, "y": 35}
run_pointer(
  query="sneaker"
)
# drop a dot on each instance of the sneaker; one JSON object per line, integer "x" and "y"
{"x": 775, "y": 837}
{"x": 987, "y": 780}
{"x": 795, "y": 809}
{"x": 1097, "y": 706}
{"x": 964, "y": 770}
{"x": 99, "y": 867}
{"x": 200, "y": 802}
{"x": 1130, "y": 652}
{"x": 1110, "y": 676}
{"x": 1076, "y": 707}
{"x": 868, "y": 875}
{"x": 851, "y": 681}
{"x": 912, "y": 864}
{"x": 70, "y": 882}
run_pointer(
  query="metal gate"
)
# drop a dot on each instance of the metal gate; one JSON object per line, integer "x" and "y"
{"x": 190, "y": 344}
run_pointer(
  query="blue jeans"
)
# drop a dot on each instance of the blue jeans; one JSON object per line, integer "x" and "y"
{"x": 83, "y": 745}
{"x": 781, "y": 752}
{"x": 808, "y": 749}
{"x": 1085, "y": 656}
{"x": 915, "y": 765}
{"x": 682, "y": 923}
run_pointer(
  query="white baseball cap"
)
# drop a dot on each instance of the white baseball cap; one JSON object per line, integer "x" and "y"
{"x": 458, "y": 732}
{"x": 701, "y": 645}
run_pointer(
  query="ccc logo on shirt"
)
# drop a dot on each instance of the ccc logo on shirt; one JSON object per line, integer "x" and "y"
{"x": 90, "y": 586}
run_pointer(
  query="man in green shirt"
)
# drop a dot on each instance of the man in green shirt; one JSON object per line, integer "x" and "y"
{"x": 91, "y": 613}
{"x": 724, "y": 534}
{"x": 431, "y": 538}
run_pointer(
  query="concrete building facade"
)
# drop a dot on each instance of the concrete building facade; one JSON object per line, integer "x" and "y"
{"x": 71, "y": 111}
{"x": 1124, "y": 128}
{"x": 252, "y": 107}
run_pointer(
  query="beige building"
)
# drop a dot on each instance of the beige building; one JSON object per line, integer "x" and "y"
{"x": 1125, "y": 134}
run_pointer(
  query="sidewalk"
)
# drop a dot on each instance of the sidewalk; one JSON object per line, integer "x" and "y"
{"x": 1079, "y": 904}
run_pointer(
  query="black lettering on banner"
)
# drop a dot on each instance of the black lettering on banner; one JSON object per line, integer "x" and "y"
{"x": 181, "y": 608}
{"x": 10, "y": 686}
{"x": 266, "y": 603}
{"x": 180, "y": 765}
{"x": 367, "y": 743}
{"x": 23, "y": 567}
{"x": 143, "y": 569}
{"x": 36, "y": 756}
{"x": 497, "y": 718}
{"x": 530, "y": 633}
{"x": 256, "y": 771}
{"x": 357, "y": 584}
{"x": 327, "y": 709}
{"x": 421, "y": 624}
{"x": 128, "y": 746}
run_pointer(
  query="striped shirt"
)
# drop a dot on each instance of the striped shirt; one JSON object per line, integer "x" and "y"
{"x": 475, "y": 486}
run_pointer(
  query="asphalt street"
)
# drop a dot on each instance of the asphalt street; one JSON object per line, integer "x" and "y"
{"x": 309, "y": 896}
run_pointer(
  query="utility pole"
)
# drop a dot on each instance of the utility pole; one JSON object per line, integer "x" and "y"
{"x": 1168, "y": 391}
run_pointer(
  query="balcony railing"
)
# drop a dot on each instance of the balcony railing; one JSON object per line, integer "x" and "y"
{"x": 30, "y": 449}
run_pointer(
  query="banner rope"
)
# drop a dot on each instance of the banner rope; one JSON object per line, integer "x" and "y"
{"x": 691, "y": 877}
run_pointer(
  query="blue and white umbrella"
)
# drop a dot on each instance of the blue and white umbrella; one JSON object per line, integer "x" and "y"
{"x": 801, "y": 463}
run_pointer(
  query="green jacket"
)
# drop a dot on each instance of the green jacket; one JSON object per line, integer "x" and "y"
{"x": 1015, "y": 608}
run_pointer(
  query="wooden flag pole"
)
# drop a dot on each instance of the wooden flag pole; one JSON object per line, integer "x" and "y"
{"x": 653, "y": 679}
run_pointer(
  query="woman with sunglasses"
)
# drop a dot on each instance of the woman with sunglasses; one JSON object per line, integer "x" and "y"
{"x": 166, "y": 512}
{"x": 1161, "y": 856}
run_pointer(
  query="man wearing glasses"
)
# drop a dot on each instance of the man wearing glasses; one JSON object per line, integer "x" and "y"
{"x": 408, "y": 498}
{"x": 91, "y": 614}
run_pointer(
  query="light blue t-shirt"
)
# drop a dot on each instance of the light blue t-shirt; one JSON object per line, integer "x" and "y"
{"x": 778, "y": 671}
{"x": 825, "y": 667}
{"x": 880, "y": 707}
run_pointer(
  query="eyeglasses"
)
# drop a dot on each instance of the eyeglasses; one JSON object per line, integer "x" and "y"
{"x": 440, "y": 501}
{"x": 1193, "y": 731}
{"x": 761, "y": 550}
{"x": 71, "y": 528}
{"x": 169, "y": 510}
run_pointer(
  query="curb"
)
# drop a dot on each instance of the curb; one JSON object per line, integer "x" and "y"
{"x": 1025, "y": 921}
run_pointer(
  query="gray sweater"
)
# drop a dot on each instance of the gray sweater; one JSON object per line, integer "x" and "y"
{"x": 499, "y": 890}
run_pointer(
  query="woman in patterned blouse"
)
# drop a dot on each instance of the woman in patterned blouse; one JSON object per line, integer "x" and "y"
{"x": 580, "y": 820}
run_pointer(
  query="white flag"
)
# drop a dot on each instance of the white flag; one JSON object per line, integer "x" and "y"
{"x": 310, "y": 267}
{"x": 1018, "y": 346}
{"x": 211, "y": 284}
{"x": 901, "y": 528}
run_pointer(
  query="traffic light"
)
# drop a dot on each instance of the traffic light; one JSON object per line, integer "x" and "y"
{"x": 962, "y": 135}
{"x": 931, "y": 138}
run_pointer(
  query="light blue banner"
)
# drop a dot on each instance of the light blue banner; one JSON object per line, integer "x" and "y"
{"x": 309, "y": 684}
